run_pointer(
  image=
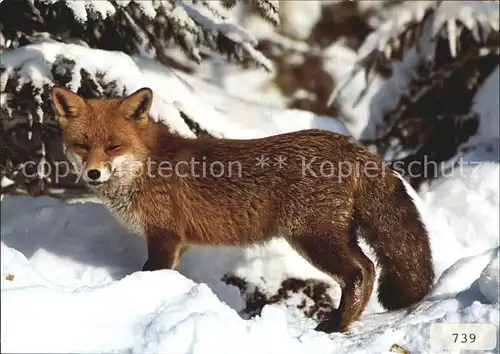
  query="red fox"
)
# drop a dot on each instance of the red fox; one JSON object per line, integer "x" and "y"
{"x": 312, "y": 187}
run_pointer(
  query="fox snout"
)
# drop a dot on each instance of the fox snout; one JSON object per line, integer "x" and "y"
{"x": 98, "y": 171}
{"x": 90, "y": 167}
{"x": 95, "y": 175}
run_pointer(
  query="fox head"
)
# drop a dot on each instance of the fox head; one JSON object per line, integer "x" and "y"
{"x": 102, "y": 137}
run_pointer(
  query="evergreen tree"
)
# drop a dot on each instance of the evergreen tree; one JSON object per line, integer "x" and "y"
{"x": 439, "y": 54}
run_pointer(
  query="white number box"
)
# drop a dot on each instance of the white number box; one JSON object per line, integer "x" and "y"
{"x": 463, "y": 336}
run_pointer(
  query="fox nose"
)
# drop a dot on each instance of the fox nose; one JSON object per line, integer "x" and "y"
{"x": 94, "y": 174}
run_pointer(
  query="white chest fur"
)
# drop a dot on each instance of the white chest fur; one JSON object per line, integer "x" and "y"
{"x": 119, "y": 201}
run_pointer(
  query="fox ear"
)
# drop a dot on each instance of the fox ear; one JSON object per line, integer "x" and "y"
{"x": 66, "y": 103}
{"x": 137, "y": 105}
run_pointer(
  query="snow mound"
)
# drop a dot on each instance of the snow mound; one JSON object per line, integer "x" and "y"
{"x": 488, "y": 281}
{"x": 179, "y": 316}
{"x": 468, "y": 200}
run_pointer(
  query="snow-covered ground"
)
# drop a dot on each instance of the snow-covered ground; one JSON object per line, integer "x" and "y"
{"x": 71, "y": 279}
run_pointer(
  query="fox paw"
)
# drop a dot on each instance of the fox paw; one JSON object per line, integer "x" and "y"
{"x": 153, "y": 264}
{"x": 148, "y": 267}
{"x": 332, "y": 324}
{"x": 329, "y": 327}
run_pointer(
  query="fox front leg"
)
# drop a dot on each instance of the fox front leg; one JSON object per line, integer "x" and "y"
{"x": 163, "y": 250}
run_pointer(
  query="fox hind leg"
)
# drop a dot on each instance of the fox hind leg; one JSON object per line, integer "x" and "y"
{"x": 337, "y": 253}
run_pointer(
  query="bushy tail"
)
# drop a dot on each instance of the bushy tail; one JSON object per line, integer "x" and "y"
{"x": 392, "y": 226}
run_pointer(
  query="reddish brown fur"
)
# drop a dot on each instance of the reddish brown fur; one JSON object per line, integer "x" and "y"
{"x": 319, "y": 216}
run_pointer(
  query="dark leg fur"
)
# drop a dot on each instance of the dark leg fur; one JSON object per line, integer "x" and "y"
{"x": 338, "y": 254}
{"x": 163, "y": 251}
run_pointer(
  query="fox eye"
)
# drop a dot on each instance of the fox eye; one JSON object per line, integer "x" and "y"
{"x": 82, "y": 146}
{"x": 113, "y": 147}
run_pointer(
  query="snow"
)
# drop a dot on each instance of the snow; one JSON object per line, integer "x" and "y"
{"x": 299, "y": 17}
{"x": 340, "y": 62}
{"x": 486, "y": 105}
{"x": 215, "y": 110}
{"x": 387, "y": 33}
{"x": 479, "y": 17}
{"x": 71, "y": 279}
{"x": 387, "y": 94}
{"x": 192, "y": 14}
{"x": 488, "y": 281}
{"x": 79, "y": 10}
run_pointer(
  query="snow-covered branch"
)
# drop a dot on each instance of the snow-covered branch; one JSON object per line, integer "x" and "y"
{"x": 448, "y": 20}
{"x": 146, "y": 27}
{"x": 421, "y": 28}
